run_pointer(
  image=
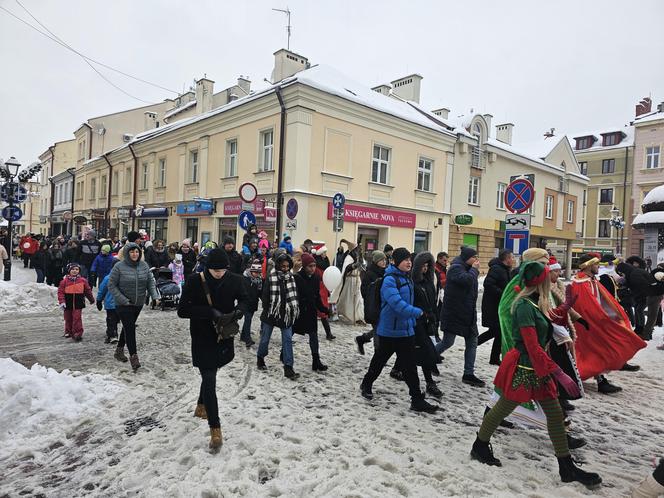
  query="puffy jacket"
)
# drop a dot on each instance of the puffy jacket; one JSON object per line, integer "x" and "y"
{"x": 102, "y": 265}
{"x": 459, "y": 313}
{"x": 397, "y": 315}
{"x": 130, "y": 280}
{"x": 72, "y": 291}
{"x": 157, "y": 259}
{"x": 288, "y": 246}
{"x": 105, "y": 295}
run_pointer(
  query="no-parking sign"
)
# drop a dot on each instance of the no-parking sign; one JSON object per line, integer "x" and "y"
{"x": 519, "y": 195}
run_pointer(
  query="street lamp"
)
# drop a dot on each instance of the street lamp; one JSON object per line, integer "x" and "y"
{"x": 9, "y": 172}
{"x": 618, "y": 223}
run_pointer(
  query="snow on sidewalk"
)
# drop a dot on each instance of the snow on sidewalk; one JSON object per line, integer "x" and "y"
{"x": 22, "y": 294}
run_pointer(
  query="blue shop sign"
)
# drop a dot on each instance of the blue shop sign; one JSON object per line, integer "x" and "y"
{"x": 194, "y": 208}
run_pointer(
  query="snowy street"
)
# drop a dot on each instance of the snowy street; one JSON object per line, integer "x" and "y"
{"x": 98, "y": 429}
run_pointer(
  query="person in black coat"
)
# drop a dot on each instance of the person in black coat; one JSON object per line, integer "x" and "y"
{"x": 308, "y": 292}
{"x": 253, "y": 284}
{"x": 54, "y": 264}
{"x": 188, "y": 257}
{"x": 374, "y": 271}
{"x": 235, "y": 260}
{"x": 157, "y": 255}
{"x": 208, "y": 351}
{"x": 494, "y": 284}
{"x": 459, "y": 314}
{"x": 40, "y": 262}
{"x": 641, "y": 286}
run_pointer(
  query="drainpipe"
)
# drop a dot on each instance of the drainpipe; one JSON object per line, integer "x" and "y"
{"x": 90, "y": 144}
{"x": 107, "y": 220}
{"x": 134, "y": 192}
{"x": 280, "y": 173}
{"x": 70, "y": 223}
{"x": 50, "y": 180}
{"x": 622, "y": 233}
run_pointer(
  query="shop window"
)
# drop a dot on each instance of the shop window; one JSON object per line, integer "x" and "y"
{"x": 161, "y": 229}
{"x": 144, "y": 224}
{"x": 421, "y": 241}
{"x": 191, "y": 229}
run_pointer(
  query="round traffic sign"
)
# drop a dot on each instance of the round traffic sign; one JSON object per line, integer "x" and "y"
{"x": 338, "y": 200}
{"x": 12, "y": 213}
{"x": 291, "y": 209}
{"x": 246, "y": 218}
{"x": 248, "y": 192}
{"x": 519, "y": 195}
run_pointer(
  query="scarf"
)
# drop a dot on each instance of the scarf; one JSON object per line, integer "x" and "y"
{"x": 255, "y": 281}
{"x": 292, "y": 309}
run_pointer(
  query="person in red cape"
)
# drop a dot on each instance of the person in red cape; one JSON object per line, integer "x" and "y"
{"x": 609, "y": 341}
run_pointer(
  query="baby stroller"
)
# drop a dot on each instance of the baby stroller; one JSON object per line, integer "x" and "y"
{"x": 169, "y": 290}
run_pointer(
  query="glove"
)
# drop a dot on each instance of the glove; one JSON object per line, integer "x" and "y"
{"x": 237, "y": 314}
{"x": 583, "y": 322}
{"x": 99, "y": 306}
{"x": 63, "y": 306}
{"x": 568, "y": 384}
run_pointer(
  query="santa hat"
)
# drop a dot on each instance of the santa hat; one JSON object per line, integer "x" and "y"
{"x": 553, "y": 264}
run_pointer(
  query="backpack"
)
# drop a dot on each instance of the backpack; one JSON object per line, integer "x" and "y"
{"x": 372, "y": 304}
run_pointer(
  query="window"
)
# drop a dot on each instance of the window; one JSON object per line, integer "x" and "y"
{"x": 610, "y": 139}
{"x": 267, "y": 145}
{"x": 424, "y": 169}
{"x": 144, "y": 176}
{"x": 160, "y": 229}
{"x": 191, "y": 230}
{"x": 102, "y": 187}
{"x": 583, "y": 167}
{"x": 474, "y": 190}
{"x": 67, "y": 197}
{"x": 231, "y": 158}
{"x": 81, "y": 149}
{"x": 79, "y": 190}
{"x": 570, "y": 211}
{"x": 127, "y": 180}
{"x": 604, "y": 229}
{"x": 93, "y": 188}
{"x": 652, "y": 157}
{"x": 193, "y": 166}
{"x": 608, "y": 166}
{"x": 421, "y": 241}
{"x": 380, "y": 164}
{"x": 606, "y": 196}
{"x": 114, "y": 185}
{"x": 549, "y": 207}
{"x": 582, "y": 143}
{"x": 161, "y": 173}
{"x": 500, "y": 195}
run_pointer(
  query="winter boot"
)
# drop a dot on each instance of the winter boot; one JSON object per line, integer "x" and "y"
{"x": 316, "y": 364}
{"x": 566, "y": 405}
{"x": 627, "y": 367}
{"x": 200, "y": 411}
{"x": 329, "y": 336}
{"x": 506, "y": 424}
{"x": 366, "y": 391}
{"x": 119, "y": 354}
{"x": 396, "y": 374}
{"x": 649, "y": 488}
{"x": 216, "y": 439}
{"x": 574, "y": 443}
{"x": 260, "y": 363}
{"x": 421, "y": 405}
{"x": 359, "y": 340}
{"x": 605, "y": 387}
{"x": 483, "y": 452}
{"x": 569, "y": 472}
{"x": 472, "y": 380}
{"x": 133, "y": 360}
{"x": 432, "y": 389}
{"x": 290, "y": 373}
{"x": 107, "y": 340}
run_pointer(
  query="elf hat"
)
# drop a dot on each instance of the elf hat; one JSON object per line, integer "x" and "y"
{"x": 532, "y": 273}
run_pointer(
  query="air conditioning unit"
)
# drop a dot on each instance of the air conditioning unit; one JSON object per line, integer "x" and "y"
{"x": 127, "y": 137}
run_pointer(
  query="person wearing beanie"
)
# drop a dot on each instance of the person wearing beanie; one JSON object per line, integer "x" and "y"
{"x": 253, "y": 283}
{"x": 103, "y": 263}
{"x": 177, "y": 268}
{"x": 459, "y": 313}
{"x": 375, "y": 270}
{"x": 235, "y": 262}
{"x": 396, "y": 331}
{"x": 387, "y": 250}
{"x": 72, "y": 291}
{"x": 308, "y": 291}
{"x": 527, "y": 372}
{"x": 213, "y": 301}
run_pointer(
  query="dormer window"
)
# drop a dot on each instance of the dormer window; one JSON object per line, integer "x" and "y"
{"x": 583, "y": 143}
{"x": 610, "y": 139}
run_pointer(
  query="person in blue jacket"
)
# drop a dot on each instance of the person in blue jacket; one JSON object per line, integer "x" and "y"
{"x": 396, "y": 331}
{"x": 102, "y": 264}
{"x": 112, "y": 317}
{"x": 287, "y": 244}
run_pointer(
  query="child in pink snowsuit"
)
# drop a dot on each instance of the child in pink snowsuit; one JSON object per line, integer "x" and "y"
{"x": 72, "y": 291}
{"x": 177, "y": 268}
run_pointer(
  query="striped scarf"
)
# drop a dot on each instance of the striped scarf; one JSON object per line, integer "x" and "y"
{"x": 292, "y": 309}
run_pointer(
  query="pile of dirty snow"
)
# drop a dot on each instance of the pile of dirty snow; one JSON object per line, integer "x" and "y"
{"x": 40, "y": 407}
{"x": 28, "y": 297}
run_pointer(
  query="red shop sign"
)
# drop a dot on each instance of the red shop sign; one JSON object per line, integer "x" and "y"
{"x": 234, "y": 208}
{"x": 375, "y": 216}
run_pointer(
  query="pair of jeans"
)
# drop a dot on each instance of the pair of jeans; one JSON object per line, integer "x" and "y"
{"x": 404, "y": 347}
{"x": 653, "y": 303}
{"x": 112, "y": 320}
{"x": 245, "y": 335}
{"x": 128, "y": 316}
{"x": 468, "y": 355}
{"x": 286, "y": 343}
{"x": 40, "y": 275}
{"x": 492, "y": 333}
{"x": 208, "y": 396}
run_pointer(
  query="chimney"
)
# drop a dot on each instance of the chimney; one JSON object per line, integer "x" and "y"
{"x": 382, "y": 89}
{"x": 488, "y": 118}
{"x": 149, "y": 120}
{"x": 286, "y": 64}
{"x": 643, "y": 107}
{"x": 408, "y": 87}
{"x": 245, "y": 84}
{"x": 443, "y": 112}
{"x": 204, "y": 89}
{"x": 504, "y": 133}
{"x": 660, "y": 107}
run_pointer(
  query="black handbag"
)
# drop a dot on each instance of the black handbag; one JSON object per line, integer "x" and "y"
{"x": 226, "y": 326}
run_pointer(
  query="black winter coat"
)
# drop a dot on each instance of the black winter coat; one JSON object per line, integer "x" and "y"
{"x": 189, "y": 261}
{"x": 157, "y": 259}
{"x": 308, "y": 296}
{"x": 253, "y": 294}
{"x": 70, "y": 255}
{"x": 640, "y": 283}
{"x": 236, "y": 263}
{"x": 228, "y": 294}
{"x": 494, "y": 284}
{"x": 459, "y": 313}
{"x": 373, "y": 273}
{"x": 39, "y": 260}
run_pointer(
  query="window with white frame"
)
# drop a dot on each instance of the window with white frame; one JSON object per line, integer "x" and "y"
{"x": 380, "y": 164}
{"x": 144, "y": 176}
{"x": 652, "y": 157}
{"x": 114, "y": 185}
{"x": 127, "y": 180}
{"x": 102, "y": 187}
{"x": 267, "y": 149}
{"x": 193, "y": 166}
{"x": 500, "y": 195}
{"x": 161, "y": 172}
{"x": 570, "y": 211}
{"x": 231, "y": 157}
{"x": 548, "y": 207}
{"x": 603, "y": 229}
{"x": 424, "y": 170}
{"x": 93, "y": 188}
{"x": 474, "y": 190}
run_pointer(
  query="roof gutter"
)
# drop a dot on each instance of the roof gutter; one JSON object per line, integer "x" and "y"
{"x": 134, "y": 192}
{"x": 282, "y": 152}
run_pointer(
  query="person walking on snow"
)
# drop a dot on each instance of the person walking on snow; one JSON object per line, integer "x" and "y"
{"x": 103, "y": 263}
{"x": 253, "y": 284}
{"x": 90, "y": 248}
{"x": 72, "y": 291}
{"x": 177, "y": 267}
{"x": 374, "y": 271}
{"x": 112, "y": 317}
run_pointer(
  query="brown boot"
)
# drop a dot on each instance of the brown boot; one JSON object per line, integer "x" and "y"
{"x": 119, "y": 354}
{"x": 215, "y": 438}
{"x": 200, "y": 411}
{"x": 135, "y": 364}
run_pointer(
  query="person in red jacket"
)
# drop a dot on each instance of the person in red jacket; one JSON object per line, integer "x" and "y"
{"x": 72, "y": 291}
{"x": 29, "y": 247}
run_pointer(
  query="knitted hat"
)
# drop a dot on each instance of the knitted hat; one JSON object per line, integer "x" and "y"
{"x": 536, "y": 254}
{"x": 467, "y": 253}
{"x": 589, "y": 259}
{"x": 73, "y": 265}
{"x": 400, "y": 254}
{"x": 256, "y": 267}
{"x": 377, "y": 257}
{"x": 105, "y": 249}
{"x": 217, "y": 259}
{"x": 532, "y": 273}
{"x": 307, "y": 259}
{"x": 388, "y": 248}
{"x": 553, "y": 264}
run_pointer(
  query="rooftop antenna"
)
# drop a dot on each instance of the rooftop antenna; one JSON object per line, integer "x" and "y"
{"x": 288, "y": 28}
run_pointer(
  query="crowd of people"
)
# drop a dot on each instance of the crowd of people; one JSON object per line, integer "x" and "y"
{"x": 547, "y": 336}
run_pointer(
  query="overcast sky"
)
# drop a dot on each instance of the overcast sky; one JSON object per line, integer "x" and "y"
{"x": 573, "y": 65}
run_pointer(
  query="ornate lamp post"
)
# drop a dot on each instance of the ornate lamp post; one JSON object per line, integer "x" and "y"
{"x": 9, "y": 171}
{"x": 618, "y": 223}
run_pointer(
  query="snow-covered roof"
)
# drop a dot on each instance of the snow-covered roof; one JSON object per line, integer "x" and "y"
{"x": 650, "y": 218}
{"x": 654, "y": 196}
{"x": 539, "y": 148}
{"x": 176, "y": 110}
{"x": 647, "y": 118}
{"x": 627, "y": 141}
{"x": 517, "y": 151}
